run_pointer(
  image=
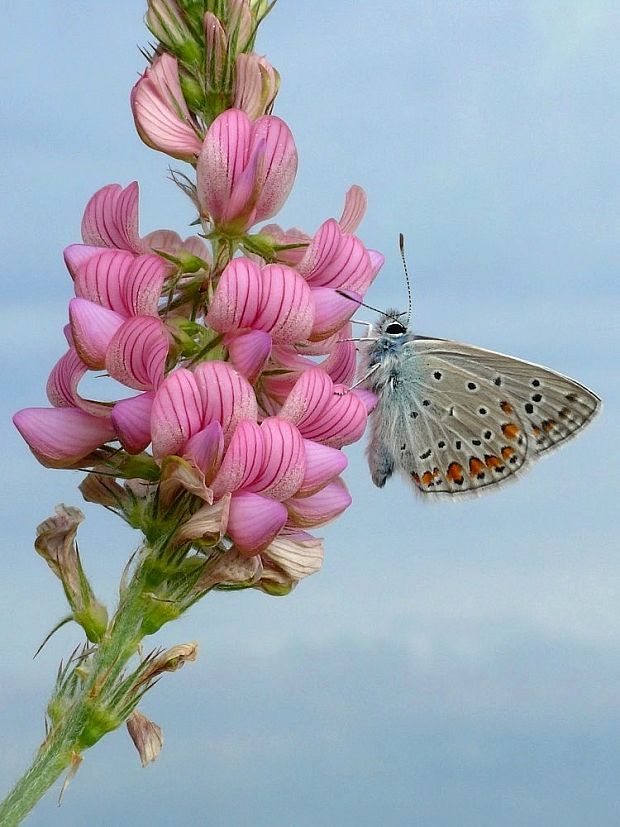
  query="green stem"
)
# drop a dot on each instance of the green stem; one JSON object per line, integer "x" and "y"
{"x": 63, "y": 745}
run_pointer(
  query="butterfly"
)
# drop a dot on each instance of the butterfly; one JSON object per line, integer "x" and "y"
{"x": 457, "y": 418}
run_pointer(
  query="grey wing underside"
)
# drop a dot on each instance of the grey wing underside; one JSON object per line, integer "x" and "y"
{"x": 433, "y": 430}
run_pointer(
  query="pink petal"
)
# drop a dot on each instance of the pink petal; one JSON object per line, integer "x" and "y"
{"x": 160, "y": 113}
{"x": 249, "y": 352}
{"x": 341, "y": 421}
{"x": 177, "y": 413}
{"x": 58, "y": 437}
{"x": 286, "y": 309}
{"x": 323, "y": 464}
{"x": 294, "y": 236}
{"x": 132, "y": 421}
{"x": 284, "y": 462}
{"x": 92, "y": 329}
{"x": 242, "y": 460}
{"x": 226, "y": 396}
{"x": 279, "y": 167}
{"x": 143, "y": 285}
{"x": 206, "y": 449}
{"x": 237, "y": 298}
{"x": 367, "y": 398}
{"x": 63, "y": 383}
{"x": 111, "y": 218}
{"x": 336, "y": 259}
{"x": 76, "y": 254}
{"x": 222, "y": 159}
{"x": 321, "y": 507}
{"x": 137, "y": 353}
{"x": 355, "y": 204}
{"x": 332, "y": 311}
{"x": 377, "y": 261}
{"x": 254, "y": 521}
{"x": 101, "y": 279}
{"x": 310, "y": 394}
{"x": 341, "y": 364}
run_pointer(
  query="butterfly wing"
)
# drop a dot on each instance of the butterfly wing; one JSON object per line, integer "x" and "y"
{"x": 457, "y": 418}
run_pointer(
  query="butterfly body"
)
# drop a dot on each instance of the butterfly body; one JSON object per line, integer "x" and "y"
{"x": 456, "y": 418}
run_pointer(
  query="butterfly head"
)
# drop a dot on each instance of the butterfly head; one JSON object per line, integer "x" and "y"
{"x": 391, "y": 325}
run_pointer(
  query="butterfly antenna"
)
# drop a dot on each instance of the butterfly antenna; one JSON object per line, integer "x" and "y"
{"x": 401, "y": 244}
{"x": 358, "y": 302}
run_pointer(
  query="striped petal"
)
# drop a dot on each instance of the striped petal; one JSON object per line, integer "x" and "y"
{"x": 160, "y": 113}
{"x": 284, "y": 460}
{"x": 132, "y": 421}
{"x": 59, "y": 437}
{"x": 143, "y": 284}
{"x": 336, "y": 259}
{"x": 341, "y": 364}
{"x": 237, "y": 298}
{"x": 222, "y": 159}
{"x": 279, "y": 167}
{"x": 286, "y": 308}
{"x": 63, "y": 383}
{"x": 321, "y": 507}
{"x": 226, "y": 396}
{"x": 101, "y": 278}
{"x": 111, "y": 218}
{"x": 177, "y": 413}
{"x": 341, "y": 421}
{"x": 310, "y": 394}
{"x": 242, "y": 461}
{"x": 355, "y": 204}
{"x": 254, "y": 521}
{"x": 137, "y": 353}
{"x": 92, "y": 330}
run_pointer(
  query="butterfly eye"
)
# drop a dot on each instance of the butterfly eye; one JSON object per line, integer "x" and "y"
{"x": 395, "y": 328}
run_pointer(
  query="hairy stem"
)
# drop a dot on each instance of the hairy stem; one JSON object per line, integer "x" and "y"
{"x": 77, "y": 728}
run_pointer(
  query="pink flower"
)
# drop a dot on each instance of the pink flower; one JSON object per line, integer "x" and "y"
{"x": 245, "y": 170}
{"x": 271, "y": 475}
{"x": 162, "y": 118}
{"x": 111, "y": 220}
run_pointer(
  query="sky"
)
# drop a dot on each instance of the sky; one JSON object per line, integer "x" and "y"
{"x": 453, "y": 664}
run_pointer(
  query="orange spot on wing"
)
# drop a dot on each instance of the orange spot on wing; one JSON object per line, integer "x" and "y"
{"x": 476, "y": 466}
{"x": 506, "y": 407}
{"x": 548, "y": 425}
{"x": 508, "y": 452}
{"x": 536, "y": 430}
{"x": 455, "y": 473}
{"x": 492, "y": 461}
{"x": 510, "y": 430}
{"x": 427, "y": 478}
{"x": 416, "y": 477}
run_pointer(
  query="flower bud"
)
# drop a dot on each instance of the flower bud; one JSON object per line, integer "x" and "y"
{"x": 168, "y": 23}
{"x": 256, "y": 85}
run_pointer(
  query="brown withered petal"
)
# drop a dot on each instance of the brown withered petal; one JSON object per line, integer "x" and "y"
{"x": 168, "y": 661}
{"x": 229, "y": 569}
{"x": 55, "y": 539}
{"x": 103, "y": 490}
{"x": 147, "y": 737}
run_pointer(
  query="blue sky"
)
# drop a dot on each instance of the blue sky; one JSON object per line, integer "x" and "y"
{"x": 452, "y": 665}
